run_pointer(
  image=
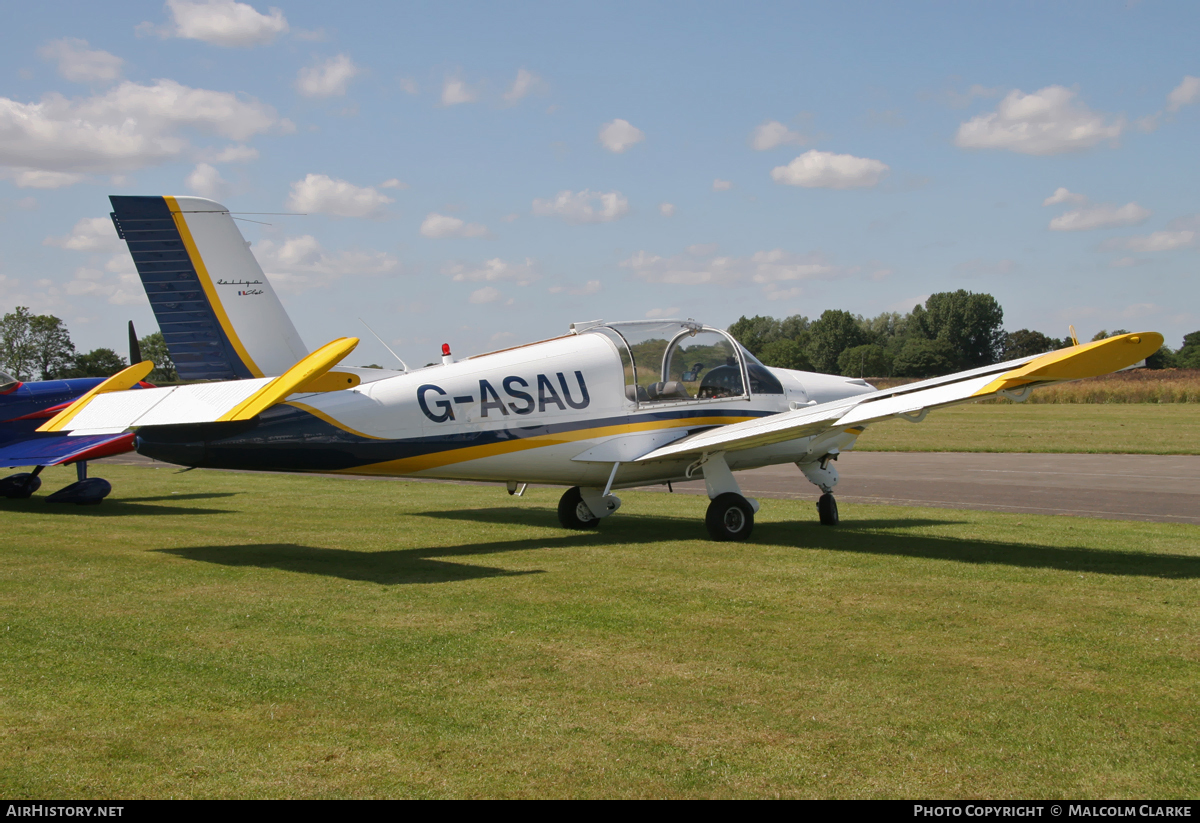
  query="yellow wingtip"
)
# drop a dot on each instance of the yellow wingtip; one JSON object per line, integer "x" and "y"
{"x": 127, "y": 378}
{"x": 1080, "y": 361}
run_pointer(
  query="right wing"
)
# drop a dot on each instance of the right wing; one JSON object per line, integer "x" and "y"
{"x": 1014, "y": 379}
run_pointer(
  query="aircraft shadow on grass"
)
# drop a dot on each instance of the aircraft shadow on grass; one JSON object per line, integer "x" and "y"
{"x": 432, "y": 564}
{"x": 387, "y": 568}
{"x": 864, "y": 537}
{"x": 119, "y": 507}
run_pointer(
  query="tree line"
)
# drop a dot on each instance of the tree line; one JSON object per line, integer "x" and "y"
{"x": 39, "y": 347}
{"x": 951, "y": 331}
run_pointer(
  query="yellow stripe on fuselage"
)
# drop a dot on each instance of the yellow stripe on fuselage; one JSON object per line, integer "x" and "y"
{"x": 412, "y": 465}
{"x": 209, "y": 289}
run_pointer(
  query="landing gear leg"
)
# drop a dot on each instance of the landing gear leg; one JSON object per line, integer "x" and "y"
{"x": 730, "y": 515}
{"x": 823, "y": 475}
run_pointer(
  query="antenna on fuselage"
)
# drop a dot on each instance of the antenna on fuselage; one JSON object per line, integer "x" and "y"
{"x": 385, "y": 345}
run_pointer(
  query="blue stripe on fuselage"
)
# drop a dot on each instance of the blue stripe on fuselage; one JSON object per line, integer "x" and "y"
{"x": 286, "y": 438}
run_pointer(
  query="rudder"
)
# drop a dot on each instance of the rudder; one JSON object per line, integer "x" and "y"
{"x": 219, "y": 315}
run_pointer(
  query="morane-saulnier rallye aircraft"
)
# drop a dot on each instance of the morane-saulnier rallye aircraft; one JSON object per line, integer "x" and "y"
{"x": 603, "y": 407}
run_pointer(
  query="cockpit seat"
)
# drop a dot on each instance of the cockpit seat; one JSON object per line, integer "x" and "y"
{"x": 670, "y": 390}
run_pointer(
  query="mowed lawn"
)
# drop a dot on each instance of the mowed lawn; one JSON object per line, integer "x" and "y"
{"x": 213, "y": 634}
{"x": 1069, "y": 428}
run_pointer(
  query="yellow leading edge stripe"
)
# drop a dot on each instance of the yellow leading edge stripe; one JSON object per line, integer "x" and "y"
{"x": 122, "y": 380}
{"x": 309, "y": 370}
{"x": 1078, "y": 362}
{"x": 209, "y": 289}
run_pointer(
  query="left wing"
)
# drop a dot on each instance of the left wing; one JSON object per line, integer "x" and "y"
{"x": 1014, "y": 379}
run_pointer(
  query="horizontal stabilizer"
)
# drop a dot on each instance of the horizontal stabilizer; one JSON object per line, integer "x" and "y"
{"x": 915, "y": 400}
{"x": 207, "y": 402}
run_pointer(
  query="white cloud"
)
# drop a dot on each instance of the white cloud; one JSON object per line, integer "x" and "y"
{"x": 772, "y": 133}
{"x": 1184, "y": 94}
{"x": 122, "y": 290}
{"x": 91, "y": 234}
{"x": 328, "y": 79}
{"x": 487, "y": 294}
{"x": 79, "y": 64}
{"x": 825, "y": 170}
{"x": 393, "y": 183}
{"x": 206, "y": 181}
{"x": 619, "y": 135}
{"x": 577, "y": 207}
{"x": 1099, "y": 216}
{"x": 1156, "y": 241}
{"x": 455, "y": 91}
{"x": 666, "y": 209}
{"x": 129, "y": 127}
{"x": 654, "y": 314}
{"x": 722, "y": 185}
{"x": 522, "y": 273}
{"x": 235, "y": 154}
{"x": 223, "y": 23}
{"x": 408, "y": 85}
{"x": 38, "y": 179}
{"x": 1062, "y": 195}
{"x": 321, "y": 194}
{"x": 299, "y": 263}
{"x": 702, "y": 265}
{"x": 441, "y": 225}
{"x": 526, "y": 83}
{"x": 1048, "y": 121}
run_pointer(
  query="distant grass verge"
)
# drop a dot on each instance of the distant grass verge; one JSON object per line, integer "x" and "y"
{"x": 1064, "y": 428}
{"x": 216, "y": 634}
{"x": 1135, "y": 386}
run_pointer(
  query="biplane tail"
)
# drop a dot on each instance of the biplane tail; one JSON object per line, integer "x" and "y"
{"x": 219, "y": 315}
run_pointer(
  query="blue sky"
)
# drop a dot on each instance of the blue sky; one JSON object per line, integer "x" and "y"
{"x": 484, "y": 174}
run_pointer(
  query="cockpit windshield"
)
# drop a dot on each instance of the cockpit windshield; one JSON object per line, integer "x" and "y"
{"x": 681, "y": 361}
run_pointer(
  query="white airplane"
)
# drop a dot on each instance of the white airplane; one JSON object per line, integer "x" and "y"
{"x": 604, "y": 407}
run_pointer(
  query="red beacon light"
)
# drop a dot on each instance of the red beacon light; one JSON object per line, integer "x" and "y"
{"x": 447, "y": 359}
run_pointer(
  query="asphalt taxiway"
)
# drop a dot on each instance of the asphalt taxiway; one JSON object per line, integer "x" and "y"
{"x": 1161, "y": 488}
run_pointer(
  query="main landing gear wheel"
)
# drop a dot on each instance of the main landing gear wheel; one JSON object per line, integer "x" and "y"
{"x": 827, "y": 509}
{"x": 20, "y": 486}
{"x": 573, "y": 513}
{"x": 730, "y": 517}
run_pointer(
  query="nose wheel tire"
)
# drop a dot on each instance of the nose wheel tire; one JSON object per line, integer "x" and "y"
{"x": 573, "y": 513}
{"x": 729, "y": 517}
{"x": 827, "y": 510}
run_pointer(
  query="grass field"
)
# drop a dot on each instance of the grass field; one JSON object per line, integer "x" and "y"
{"x": 1061, "y": 428}
{"x": 216, "y": 634}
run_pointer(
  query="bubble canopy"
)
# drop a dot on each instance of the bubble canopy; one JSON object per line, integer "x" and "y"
{"x": 682, "y": 361}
